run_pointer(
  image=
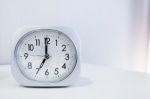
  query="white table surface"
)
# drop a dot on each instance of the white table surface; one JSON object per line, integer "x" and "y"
{"x": 96, "y": 82}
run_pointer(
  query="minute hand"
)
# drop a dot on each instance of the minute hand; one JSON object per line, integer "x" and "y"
{"x": 41, "y": 65}
{"x": 46, "y": 46}
{"x": 46, "y": 49}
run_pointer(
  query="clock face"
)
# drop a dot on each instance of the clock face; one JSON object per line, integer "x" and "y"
{"x": 46, "y": 55}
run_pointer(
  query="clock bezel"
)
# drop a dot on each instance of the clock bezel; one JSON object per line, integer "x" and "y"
{"x": 32, "y": 32}
{"x": 25, "y": 81}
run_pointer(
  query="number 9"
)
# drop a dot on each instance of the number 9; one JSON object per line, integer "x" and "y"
{"x": 25, "y": 55}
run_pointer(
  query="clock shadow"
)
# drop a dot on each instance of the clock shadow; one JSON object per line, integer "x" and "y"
{"x": 81, "y": 82}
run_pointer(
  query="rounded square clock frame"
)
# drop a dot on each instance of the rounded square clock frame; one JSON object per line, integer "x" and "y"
{"x": 25, "y": 81}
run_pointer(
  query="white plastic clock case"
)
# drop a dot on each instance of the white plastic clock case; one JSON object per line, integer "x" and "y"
{"x": 24, "y": 81}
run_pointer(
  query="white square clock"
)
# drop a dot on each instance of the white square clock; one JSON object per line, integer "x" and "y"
{"x": 46, "y": 57}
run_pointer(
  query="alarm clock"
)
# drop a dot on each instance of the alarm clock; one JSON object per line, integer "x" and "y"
{"x": 46, "y": 57}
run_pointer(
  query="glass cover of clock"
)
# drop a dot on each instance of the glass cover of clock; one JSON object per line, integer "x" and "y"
{"x": 46, "y": 55}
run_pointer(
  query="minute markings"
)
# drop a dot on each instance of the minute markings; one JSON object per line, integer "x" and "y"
{"x": 42, "y": 67}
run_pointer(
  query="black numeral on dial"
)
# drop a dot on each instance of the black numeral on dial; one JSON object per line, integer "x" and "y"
{"x": 56, "y": 71}
{"x": 64, "y": 48}
{"x": 26, "y": 55}
{"x": 30, "y": 47}
{"x": 29, "y": 65}
{"x": 47, "y": 72}
{"x": 47, "y": 40}
{"x": 67, "y": 56}
{"x": 64, "y": 66}
{"x": 37, "y": 42}
{"x": 56, "y": 42}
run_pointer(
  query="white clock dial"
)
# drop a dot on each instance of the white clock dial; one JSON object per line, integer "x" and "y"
{"x": 46, "y": 55}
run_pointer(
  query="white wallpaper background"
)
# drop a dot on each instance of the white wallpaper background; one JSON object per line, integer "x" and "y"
{"x": 109, "y": 29}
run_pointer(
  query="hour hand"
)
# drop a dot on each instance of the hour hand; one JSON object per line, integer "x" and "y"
{"x": 41, "y": 65}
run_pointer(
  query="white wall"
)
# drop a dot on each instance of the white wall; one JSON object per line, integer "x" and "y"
{"x": 103, "y": 25}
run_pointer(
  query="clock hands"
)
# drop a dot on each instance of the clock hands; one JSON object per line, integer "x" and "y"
{"x": 41, "y": 65}
{"x": 46, "y": 56}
